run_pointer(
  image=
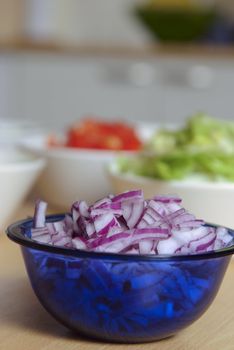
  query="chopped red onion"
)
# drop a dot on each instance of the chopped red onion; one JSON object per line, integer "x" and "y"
{"x": 85, "y": 227}
{"x": 40, "y": 214}
{"x": 44, "y": 238}
{"x": 134, "y": 214}
{"x": 78, "y": 243}
{"x": 129, "y": 224}
{"x": 104, "y": 223}
{"x": 129, "y": 195}
{"x": 145, "y": 246}
{"x": 105, "y": 241}
{"x": 204, "y": 243}
{"x": 41, "y": 234}
{"x": 167, "y": 199}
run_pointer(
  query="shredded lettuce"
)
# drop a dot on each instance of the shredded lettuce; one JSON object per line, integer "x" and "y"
{"x": 203, "y": 146}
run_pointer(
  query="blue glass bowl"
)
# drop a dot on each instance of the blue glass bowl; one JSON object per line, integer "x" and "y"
{"x": 121, "y": 298}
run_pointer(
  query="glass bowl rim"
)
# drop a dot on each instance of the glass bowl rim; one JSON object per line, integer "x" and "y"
{"x": 14, "y": 233}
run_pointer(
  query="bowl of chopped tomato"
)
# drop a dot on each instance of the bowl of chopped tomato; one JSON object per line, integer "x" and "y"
{"x": 77, "y": 159}
{"x": 100, "y": 135}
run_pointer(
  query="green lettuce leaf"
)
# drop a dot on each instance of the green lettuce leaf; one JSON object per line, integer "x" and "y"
{"x": 203, "y": 146}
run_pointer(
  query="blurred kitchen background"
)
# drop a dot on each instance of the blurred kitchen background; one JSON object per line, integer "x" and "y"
{"x": 155, "y": 60}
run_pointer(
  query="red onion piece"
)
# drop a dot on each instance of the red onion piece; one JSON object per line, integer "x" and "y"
{"x": 104, "y": 223}
{"x": 146, "y": 247}
{"x": 78, "y": 243}
{"x": 129, "y": 195}
{"x": 132, "y": 212}
{"x": 167, "y": 199}
{"x": 41, "y": 234}
{"x": 40, "y": 213}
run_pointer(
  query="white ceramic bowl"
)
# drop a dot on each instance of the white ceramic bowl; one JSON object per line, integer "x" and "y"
{"x": 210, "y": 201}
{"x": 12, "y": 131}
{"x": 71, "y": 174}
{"x": 18, "y": 173}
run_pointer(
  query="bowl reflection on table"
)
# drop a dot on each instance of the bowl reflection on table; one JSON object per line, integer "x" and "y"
{"x": 117, "y": 297}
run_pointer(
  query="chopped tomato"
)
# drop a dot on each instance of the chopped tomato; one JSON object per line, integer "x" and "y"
{"x": 90, "y": 133}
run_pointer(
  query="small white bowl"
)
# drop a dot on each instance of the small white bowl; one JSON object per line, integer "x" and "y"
{"x": 71, "y": 174}
{"x": 18, "y": 173}
{"x": 12, "y": 131}
{"x": 210, "y": 201}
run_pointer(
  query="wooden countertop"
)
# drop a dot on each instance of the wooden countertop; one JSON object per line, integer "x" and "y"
{"x": 25, "y": 325}
{"x": 142, "y": 52}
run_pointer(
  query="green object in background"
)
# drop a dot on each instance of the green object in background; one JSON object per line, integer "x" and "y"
{"x": 176, "y": 24}
{"x": 204, "y": 146}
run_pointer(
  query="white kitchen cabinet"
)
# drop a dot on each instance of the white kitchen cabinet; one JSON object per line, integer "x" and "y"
{"x": 57, "y": 89}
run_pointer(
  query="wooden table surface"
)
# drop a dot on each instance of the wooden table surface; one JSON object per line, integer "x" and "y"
{"x": 25, "y": 325}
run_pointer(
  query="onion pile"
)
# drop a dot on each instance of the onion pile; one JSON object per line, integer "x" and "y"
{"x": 127, "y": 223}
